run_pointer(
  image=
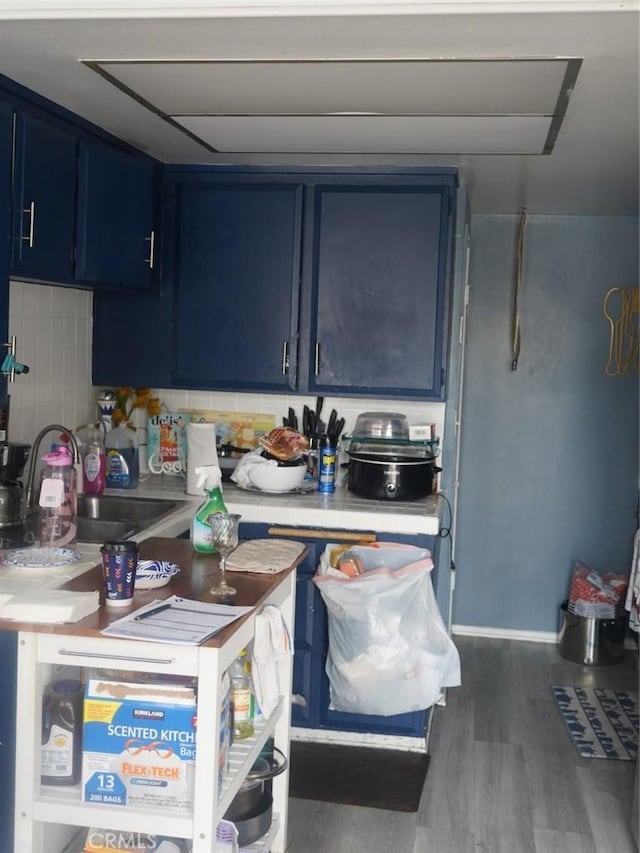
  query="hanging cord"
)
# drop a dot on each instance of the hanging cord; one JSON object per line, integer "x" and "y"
{"x": 446, "y": 533}
{"x": 515, "y": 324}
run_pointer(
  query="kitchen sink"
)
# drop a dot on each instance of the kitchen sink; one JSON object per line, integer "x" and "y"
{"x": 107, "y": 517}
{"x": 102, "y": 518}
{"x": 116, "y": 508}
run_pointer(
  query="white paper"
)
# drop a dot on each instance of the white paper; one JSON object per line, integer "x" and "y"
{"x": 54, "y": 605}
{"x": 184, "y": 622}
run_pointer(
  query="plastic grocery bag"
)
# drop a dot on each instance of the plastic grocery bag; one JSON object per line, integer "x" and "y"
{"x": 389, "y": 651}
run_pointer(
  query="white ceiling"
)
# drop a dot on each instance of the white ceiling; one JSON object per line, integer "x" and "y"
{"x": 441, "y": 84}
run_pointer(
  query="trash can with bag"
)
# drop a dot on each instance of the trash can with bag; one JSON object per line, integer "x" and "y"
{"x": 389, "y": 651}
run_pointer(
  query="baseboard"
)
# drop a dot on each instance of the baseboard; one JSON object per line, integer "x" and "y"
{"x": 506, "y": 634}
{"x": 410, "y": 744}
{"x": 550, "y": 637}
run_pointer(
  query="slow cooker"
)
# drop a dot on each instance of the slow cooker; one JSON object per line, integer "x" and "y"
{"x": 391, "y": 470}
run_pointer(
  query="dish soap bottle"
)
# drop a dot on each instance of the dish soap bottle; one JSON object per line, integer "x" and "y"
{"x": 94, "y": 462}
{"x": 123, "y": 471}
{"x": 209, "y": 476}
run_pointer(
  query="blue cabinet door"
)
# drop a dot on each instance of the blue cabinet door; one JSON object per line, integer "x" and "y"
{"x": 237, "y": 263}
{"x": 116, "y": 239}
{"x": 132, "y": 338}
{"x": 378, "y": 280}
{"x": 44, "y": 200}
{"x": 6, "y": 124}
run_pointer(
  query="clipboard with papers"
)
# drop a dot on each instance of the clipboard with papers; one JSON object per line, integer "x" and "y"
{"x": 178, "y": 620}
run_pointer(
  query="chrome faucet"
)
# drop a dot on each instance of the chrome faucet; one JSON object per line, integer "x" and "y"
{"x": 75, "y": 451}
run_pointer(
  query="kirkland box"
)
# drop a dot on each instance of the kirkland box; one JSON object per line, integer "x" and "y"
{"x": 139, "y": 744}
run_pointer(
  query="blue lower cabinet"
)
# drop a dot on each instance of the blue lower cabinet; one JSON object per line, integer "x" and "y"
{"x": 8, "y": 670}
{"x": 311, "y": 643}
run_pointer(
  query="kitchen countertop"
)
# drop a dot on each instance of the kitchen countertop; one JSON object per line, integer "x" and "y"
{"x": 198, "y": 573}
{"x": 340, "y": 511}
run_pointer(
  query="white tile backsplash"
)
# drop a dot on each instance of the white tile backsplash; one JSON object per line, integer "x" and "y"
{"x": 278, "y": 404}
{"x": 52, "y": 326}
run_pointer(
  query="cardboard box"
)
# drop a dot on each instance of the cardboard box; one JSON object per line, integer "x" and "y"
{"x": 167, "y": 443}
{"x": 241, "y": 429}
{"x": 139, "y": 744}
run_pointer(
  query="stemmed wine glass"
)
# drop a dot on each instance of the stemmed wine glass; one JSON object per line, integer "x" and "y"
{"x": 224, "y": 537}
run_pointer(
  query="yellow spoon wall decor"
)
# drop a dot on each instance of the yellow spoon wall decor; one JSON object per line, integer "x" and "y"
{"x": 621, "y": 307}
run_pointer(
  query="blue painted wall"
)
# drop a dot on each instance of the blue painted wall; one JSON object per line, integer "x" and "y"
{"x": 549, "y": 453}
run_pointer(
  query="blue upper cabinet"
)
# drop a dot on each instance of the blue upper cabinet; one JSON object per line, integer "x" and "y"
{"x": 236, "y": 279}
{"x": 44, "y": 200}
{"x": 377, "y": 280}
{"x": 295, "y": 281}
{"x": 116, "y": 238}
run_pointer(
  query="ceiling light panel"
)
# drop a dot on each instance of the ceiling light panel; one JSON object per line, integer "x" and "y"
{"x": 386, "y": 87}
{"x": 370, "y": 134}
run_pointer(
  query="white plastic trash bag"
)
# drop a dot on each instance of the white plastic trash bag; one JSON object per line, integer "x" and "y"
{"x": 389, "y": 651}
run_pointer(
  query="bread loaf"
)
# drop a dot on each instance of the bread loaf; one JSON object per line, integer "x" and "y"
{"x": 285, "y": 444}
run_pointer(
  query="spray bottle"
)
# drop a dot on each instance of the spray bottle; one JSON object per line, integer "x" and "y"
{"x": 209, "y": 476}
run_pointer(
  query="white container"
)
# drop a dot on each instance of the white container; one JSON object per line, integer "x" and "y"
{"x": 277, "y": 478}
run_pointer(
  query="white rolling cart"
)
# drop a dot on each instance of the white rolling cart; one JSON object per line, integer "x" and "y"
{"x": 49, "y": 818}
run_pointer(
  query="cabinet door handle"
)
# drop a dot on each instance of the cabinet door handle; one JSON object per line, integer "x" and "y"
{"x": 132, "y": 658}
{"x": 151, "y": 240}
{"x": 31, "y": 210}
{"x": 317, "y": 359}
{"x": 285, "y": 357}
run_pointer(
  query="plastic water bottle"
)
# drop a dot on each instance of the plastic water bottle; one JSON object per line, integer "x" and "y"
{"x": 58, "y": 518}
{"x": 241, "y": 698}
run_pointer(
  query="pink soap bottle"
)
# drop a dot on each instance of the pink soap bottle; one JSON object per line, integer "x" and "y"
{"x": 94, "y": 464}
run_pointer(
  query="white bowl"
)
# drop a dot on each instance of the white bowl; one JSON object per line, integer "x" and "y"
{"x": 277, "y": 478}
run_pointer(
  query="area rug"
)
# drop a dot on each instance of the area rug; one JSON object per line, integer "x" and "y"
{"x": 602, "y": 723}
{"x": 357, "y": 775}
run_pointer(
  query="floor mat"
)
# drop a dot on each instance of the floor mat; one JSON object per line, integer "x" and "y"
{"x": 602, "y": 723}
{"x": 357, "y": 775}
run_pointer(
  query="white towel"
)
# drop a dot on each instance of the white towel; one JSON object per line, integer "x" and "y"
{"x": 264, "y": 556}
{"x": 271, "y": 644}
{"x": 242, "y": 472}
{"x": 53, "y": 605}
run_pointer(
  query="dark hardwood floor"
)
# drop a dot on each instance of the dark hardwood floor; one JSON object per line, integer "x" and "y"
{"x": 504, "y": 776}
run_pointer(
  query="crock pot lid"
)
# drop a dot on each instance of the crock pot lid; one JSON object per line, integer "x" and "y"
{"x": 389, "y": 458}
{"x": 389, "y": 451}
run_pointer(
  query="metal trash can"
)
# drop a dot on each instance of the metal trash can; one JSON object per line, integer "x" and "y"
{"x": 591, "y": 641}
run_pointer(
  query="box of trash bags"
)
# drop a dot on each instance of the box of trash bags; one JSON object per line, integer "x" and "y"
{"x": 389, "y": 650}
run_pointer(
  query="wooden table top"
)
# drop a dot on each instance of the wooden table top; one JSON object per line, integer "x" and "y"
{"x": 199, "y": 572}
